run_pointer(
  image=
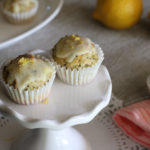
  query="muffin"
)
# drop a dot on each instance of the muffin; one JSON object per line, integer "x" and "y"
{"x": 28, "y": 78}
{"x": 77, "y": 59}
{"x": 20, "y": 11}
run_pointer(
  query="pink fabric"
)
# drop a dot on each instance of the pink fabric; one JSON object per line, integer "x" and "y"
{"x": 134, "y": 120}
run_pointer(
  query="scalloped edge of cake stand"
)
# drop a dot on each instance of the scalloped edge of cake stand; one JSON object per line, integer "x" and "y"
{"x": 53, "y": 124}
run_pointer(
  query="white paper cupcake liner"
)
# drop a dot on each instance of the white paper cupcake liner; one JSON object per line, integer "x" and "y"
{"x": 20, "y": 18}
{"x": 82, "y": 75}
{"x": 30, "y": 96}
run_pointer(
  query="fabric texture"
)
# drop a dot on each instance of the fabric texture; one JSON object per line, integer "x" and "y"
{"x": 134, "y": 120}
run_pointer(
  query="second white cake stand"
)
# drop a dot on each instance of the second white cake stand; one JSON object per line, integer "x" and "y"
{"x": 51, "y": 121}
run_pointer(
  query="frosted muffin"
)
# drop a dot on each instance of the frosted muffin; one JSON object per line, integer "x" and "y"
{"x": 20, "y": 11}
{"x": 77, "y": 59}
{"x": 28, "y": 78}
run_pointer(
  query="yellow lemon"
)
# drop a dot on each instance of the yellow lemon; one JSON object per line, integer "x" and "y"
{"x": 118, "y": 14}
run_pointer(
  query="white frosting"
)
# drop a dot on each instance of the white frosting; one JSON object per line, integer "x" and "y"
{"x": 71, "y": 46}
{"x": 28, "y": 72}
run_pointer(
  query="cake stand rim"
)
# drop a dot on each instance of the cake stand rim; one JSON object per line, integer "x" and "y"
{"x": 86, "y": 117}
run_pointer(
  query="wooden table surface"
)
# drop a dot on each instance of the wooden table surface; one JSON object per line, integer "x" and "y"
{"x": 127, "y": 52}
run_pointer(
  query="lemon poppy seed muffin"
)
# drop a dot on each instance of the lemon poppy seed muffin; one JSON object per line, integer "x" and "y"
{"x": 75, "y": 52}
{"x": 29, "y": 74}
{"x": 20, "y": 11}
{"x": 77, "y": 59}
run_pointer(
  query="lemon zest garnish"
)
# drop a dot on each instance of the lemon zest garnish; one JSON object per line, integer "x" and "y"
{"x": 73, "y": 35}
{"x": 24, "y": 61}
{"x": 77, "y": 38}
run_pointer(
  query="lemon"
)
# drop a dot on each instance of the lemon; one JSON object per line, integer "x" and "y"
{"x": 118, "y": 14}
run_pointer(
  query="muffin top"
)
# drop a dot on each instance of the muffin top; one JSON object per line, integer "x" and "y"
{"x": 75, "y": 51}
{"x": 18, "y": 6}
{"x": 27, "y": 72}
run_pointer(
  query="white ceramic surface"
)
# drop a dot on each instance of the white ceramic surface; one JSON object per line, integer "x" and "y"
{"x": 67, "y": 106}
{"x": 48, "y": 9}
{"x": 45, "y": 139}
{"x": 98, "y": 132}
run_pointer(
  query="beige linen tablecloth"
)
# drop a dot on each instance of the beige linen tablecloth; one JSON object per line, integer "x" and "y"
{"x": 127, "y": 52}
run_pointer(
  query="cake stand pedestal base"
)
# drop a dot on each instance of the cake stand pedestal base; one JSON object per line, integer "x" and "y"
{"x": 46, "y": 139}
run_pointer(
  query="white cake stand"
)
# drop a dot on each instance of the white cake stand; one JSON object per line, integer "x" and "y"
{"x": 67, "y": 106}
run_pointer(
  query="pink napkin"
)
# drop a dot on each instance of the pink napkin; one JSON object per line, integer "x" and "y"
{"x": 134, "y": 120}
